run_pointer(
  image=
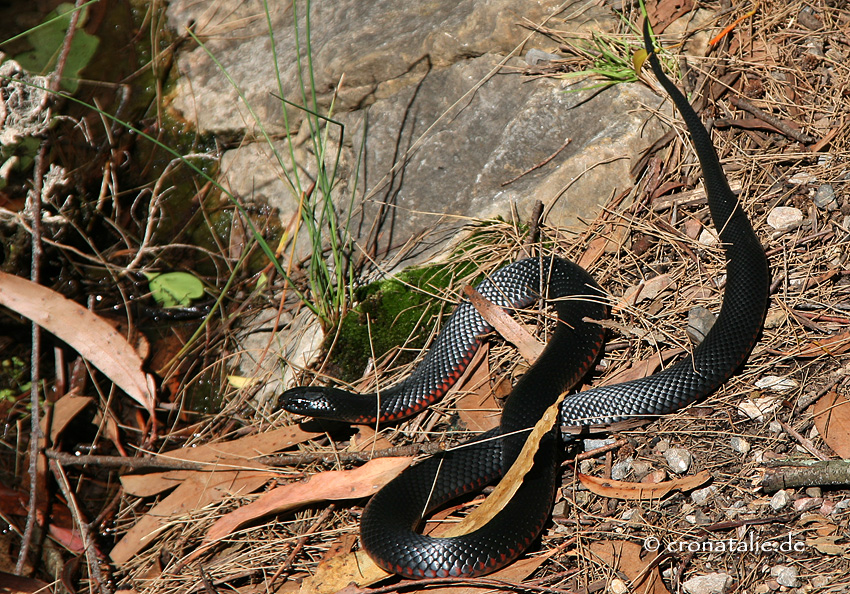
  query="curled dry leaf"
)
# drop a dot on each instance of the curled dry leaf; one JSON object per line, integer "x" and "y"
{"x": 832, "y": 418}
{"x": 649, "y": 289}
{"x": 89, "y": 334}
{"x": 831, "y": 346}
{"x": 627, "y": 490}
{"x": 511, "y": 330}
{"x": 625, "y": 557}
{"x": 362, "y": 481}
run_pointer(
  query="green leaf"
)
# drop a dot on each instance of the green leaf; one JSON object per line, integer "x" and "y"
{"x": 175, "y": 289}
{"x": 47, "y": 42}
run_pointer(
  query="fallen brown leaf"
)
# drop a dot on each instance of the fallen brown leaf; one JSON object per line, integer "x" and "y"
{"x": 91, "y": 336}
{"x": 64, "y": 411}
{"x": 15, "y": 584}
{"x": 511, "y": 330}
{"x": 640, "y": 369}
{"x": 477, "y": 406}
{"x": 832, "y": 418}
{"x": 649, "y": 289}
{"x": 627, "y": 490}
{"x": 223, "y": 455}
{"x": 834, "y": 345}
{"x": 625, "y": 556}
{"x": 194, "y": 493}
{"x": 362, "y": 481}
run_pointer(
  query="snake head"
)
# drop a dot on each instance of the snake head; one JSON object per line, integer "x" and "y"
{"x": 327, "y": 403}
{"x": 309, "y": 401}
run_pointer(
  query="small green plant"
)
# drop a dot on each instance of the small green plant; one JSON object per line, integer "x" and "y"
{"x": 330, "y": 278}
{"x": 174, "y": 289}
{"x": 610, "y": 57}
{"x": 13, "y": 375}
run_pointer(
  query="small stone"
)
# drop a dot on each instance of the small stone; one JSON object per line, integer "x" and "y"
{"x": 814, "y": 492}
{"x": 785, "y": 218}
{"x": 593, "y": 444}
{"x": 662, "y": 446}
{"x": 785, "y": 576}
{"x": 632, "y": 515}
{"x": 700, "y": 321}
{"x": 535, "y": 56}
{"x": 654, "y": 477}
{"x": 708, "y": 237}
{"x": 801, "y": 178}
{"x": 842, "y": 505}
{"x": 828, "y": 507}
{"x": 621, "y": 469}
{"x": 757, "y": 409}
{"x": 586, "y": 466}
{"x": 739, "y": 444}
{"x": 779, "y": 500}
{"x": 678, "y": 459}
{"x": 825, "y": 198}
{"x": 641, "y": 468}
{"x": 774, "y": 319}
{"x": 617, "y": 586}
{"x": 762, "y": 589}
{"x": 776, "y": 383}
{"x": 712, "y": 583}
{"x": 698, "y": 518}
{"x": 806, "y": 503}
{"x": 735, "y": 510}
{"x": 701, "y": 496}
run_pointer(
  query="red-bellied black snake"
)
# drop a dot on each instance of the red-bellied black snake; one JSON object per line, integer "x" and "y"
{"x": 389, "y": 522}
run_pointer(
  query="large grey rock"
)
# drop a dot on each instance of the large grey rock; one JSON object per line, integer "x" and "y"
{"x": 459, "y": 168}
{"x": 373, "y": 44}
{"x": 446, "y": 116}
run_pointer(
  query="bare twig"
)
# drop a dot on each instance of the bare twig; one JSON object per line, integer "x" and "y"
{"x": 85, "y": 534}
{"x": 774, "y": 121}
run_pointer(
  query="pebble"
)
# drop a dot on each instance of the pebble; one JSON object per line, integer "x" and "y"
{"x": 842, "y": 505}
{"x": 701, "y": 496}
{"x": 776, "y": 383}
{"x": 700, "y": 321}
{"x": 621, "y": 469}
{"x": 586, "y": 466}
{"x": 711, "y": 583}
{"x": 678, "y": 459}
{"x": 779, "y": 500}
{"x": 739, "y": 444}
{"x": 758, "y": 408}
{"x": 593, "y": 444}
{"x": 785, "y": 218}
{"x": 825, "y": 198}
{"x": 806, "y": 503}
{"x": 535, "y": 56}
{"x": 698, "y": 518}
{"x": 801, "y": 178}
{"x": 774, "y": 319}
{"x": 641, "y": 468}
{"x": 617, "y": 586}
{"x": 708, "y": 237}
{"x": 786, "y": 576}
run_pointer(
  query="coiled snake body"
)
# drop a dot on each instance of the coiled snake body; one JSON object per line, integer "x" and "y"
{"x": 388, "y": 526}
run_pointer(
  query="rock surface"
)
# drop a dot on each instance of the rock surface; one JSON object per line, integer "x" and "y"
{"x": 434, "y": 88}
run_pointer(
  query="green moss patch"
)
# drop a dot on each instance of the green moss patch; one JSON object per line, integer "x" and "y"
{"x": 390, "y": 313}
